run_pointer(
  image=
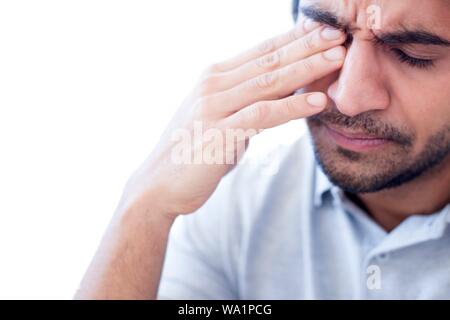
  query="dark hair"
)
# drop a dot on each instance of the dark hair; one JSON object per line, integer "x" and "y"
{"x": 295, "y": 4}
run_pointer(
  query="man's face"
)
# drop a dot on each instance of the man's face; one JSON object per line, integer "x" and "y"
{"x": 388, "y": 121}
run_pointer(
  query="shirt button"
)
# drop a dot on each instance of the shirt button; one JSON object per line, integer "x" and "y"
{"x": 383, "y": 257}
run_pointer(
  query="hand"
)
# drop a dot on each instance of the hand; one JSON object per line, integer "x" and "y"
{"x": 252, "y": 91}
{"x": 249, "y": 92}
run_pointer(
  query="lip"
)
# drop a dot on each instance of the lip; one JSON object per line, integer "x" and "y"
{"x": 355, "y": 141}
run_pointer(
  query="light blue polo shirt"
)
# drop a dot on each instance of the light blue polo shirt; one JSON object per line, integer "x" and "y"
{"x": 294, "y": 235}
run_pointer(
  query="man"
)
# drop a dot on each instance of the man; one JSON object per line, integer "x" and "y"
{"x": 359, "y": 208}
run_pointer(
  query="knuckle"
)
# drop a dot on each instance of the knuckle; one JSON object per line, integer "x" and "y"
{"x": 259, "y": 112}
{"x": 209, "y": 85}
{"x": 212, "y": 69}
{"x": 307, "y": 43}
{"x": 202, "y": 107}
{"x": 290, "y": 107}
{"x": 293, "y": 34}
{"x": 266, "y": 81}
{"x": 266, "y": 46}
{"x": 270, "y": 61}
{"x": 307, "y": 66}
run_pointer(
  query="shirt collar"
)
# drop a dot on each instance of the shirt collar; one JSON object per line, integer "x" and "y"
{"x": 417, "y": 228}
{"x": 322, "y": 185}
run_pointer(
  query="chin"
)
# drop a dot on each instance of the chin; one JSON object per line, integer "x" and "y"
{"x": 353, "y": 171}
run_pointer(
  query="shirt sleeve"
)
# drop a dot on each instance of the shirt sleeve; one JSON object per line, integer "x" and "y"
{"x": 202, "y": 251}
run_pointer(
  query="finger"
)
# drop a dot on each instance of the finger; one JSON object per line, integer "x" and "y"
{"x": 268, "y": 114}
{"x": 302, "y": 28}
{"x": 314, "y": 42}
{"x": 279, "y": 83}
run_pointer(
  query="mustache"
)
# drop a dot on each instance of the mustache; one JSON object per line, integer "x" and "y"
{"x": 364, "y": 123}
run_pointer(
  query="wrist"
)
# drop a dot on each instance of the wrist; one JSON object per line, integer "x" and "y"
{"x": 145, "y": 207}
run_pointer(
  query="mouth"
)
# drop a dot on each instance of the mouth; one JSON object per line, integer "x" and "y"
{"x": 355, "y": 141}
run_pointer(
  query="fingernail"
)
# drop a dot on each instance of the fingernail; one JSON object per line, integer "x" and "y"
{"x": 331, "y": 33}
{"x": 310, "y": 25}
{"x": 334, "y": 54}
{"x": 317, "y": 100}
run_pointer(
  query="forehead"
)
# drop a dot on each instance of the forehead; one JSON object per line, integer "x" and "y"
{"x": 433, "y": 15}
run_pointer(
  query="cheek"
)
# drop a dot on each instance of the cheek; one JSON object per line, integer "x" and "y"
{"x": 427, "y": 121}
{"x": 423, "y": 104}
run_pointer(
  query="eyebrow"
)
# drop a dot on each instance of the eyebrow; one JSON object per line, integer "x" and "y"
{"x": 413, "y": 37}
{"x": 323, "y": 16}
{"x": 391, "y": 38}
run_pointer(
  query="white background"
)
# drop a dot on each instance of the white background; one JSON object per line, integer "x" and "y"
{"x": 86, "y": 87}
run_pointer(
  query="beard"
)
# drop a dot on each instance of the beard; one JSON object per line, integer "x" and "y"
{"x": 396, "y": 164}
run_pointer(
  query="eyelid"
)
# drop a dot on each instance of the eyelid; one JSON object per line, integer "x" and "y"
{"x": 413, "y": 55}
{"x": 404, "y": 49}
{"x": 417, "y": 55}
{"x": 414, "y": 62}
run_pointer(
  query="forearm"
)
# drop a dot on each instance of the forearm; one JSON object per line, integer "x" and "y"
{"x": 237, "y": 95}
{"x": 129, "y": 260}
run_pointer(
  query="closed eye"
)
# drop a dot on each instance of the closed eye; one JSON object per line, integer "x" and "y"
{"x": 412, "y": 61}
{"x": 402, "y": 56}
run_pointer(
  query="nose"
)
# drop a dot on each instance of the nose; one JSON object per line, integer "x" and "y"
{"x": 360, "y": 86}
